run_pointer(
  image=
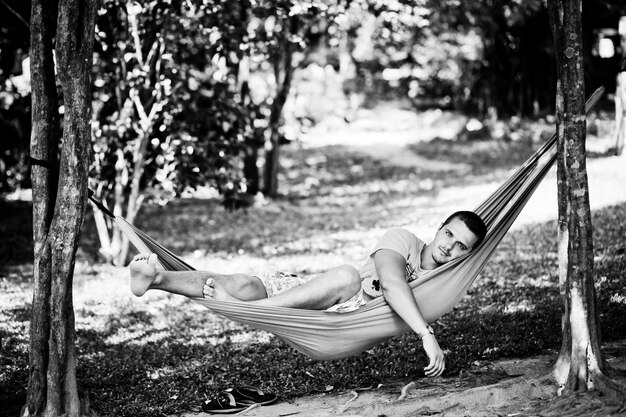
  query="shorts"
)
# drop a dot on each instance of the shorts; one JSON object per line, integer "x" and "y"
{"x": 277, "y": 282}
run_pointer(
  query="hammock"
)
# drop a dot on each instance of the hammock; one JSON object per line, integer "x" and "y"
{"x": 328, "y": 335}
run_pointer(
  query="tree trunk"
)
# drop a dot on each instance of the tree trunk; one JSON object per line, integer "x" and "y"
{"x": 620, "y": 94}
{"x": 272, "y": 161}
{"x": 251, "y": 151}
{"x": 58, "y": 210}
{"x": 580, "y": 365}
{"x": 250, "y": 168}
{"x": 43, "y": 151}
{"x": 580, "y": 330}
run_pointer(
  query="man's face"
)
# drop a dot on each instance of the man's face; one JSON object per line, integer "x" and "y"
{"x": 451, "y": 241}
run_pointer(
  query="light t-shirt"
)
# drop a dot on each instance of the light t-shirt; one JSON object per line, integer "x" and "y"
{"x": 403, "y": 242}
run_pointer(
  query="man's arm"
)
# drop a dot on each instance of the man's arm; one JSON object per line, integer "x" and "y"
{"x": 391, "y": 269}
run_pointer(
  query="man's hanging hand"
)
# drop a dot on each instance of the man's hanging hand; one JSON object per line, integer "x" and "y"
{"x": 437, "y": 362}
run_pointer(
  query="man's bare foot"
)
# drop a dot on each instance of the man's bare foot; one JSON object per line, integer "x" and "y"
{"x": 214, "y": 289}
{"x": 143, "y": 272}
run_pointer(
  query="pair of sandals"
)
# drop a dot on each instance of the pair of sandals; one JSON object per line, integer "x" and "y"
{"x": 233, "y": 400}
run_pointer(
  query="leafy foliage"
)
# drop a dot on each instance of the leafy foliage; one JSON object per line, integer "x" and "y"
{"x": 166, "y": 91}
{"x": 196, "y": 83}
{"x": 168, "y": 113}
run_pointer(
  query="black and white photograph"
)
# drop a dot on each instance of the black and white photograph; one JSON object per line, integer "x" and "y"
{"x": 312, "y": 208}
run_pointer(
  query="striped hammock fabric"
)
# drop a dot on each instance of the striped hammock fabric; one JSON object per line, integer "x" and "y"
{"x": 326, "y": 335}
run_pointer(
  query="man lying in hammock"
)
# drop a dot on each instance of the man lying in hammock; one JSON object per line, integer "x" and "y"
{"x": 398, "y": 258}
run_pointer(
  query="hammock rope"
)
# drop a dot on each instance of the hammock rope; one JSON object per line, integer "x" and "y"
{"x": 328, "y": 335}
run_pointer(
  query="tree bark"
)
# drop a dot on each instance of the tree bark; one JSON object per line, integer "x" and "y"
{"x": 43, "y": 151}
{"x": 620, "y": 94}
{"x": 58, "y": 210}
{"x": 580, "y": 365}
{"x": 580, "y": 330}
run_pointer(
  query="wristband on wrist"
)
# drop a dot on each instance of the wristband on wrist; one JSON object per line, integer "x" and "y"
{"x": 427, "y": 330}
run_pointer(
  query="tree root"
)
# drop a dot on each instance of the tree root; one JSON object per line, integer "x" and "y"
{"x": 608, "y": 398}
{"x": 613, "y": 389}
{"x": 613, "y": 372}
{"x": 405, "y": 390}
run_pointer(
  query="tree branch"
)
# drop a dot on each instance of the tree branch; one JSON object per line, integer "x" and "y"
{"x": 19, "y": 17}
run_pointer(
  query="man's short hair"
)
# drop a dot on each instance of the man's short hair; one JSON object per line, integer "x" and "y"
{"x": 473, "y": 222}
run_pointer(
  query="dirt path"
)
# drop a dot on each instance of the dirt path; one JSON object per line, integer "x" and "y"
{"x": 386, "y": 132}
{"x": 450, "y": 396}
{"x": 517, "y": 387}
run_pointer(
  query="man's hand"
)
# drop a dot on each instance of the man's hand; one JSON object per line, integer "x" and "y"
{"x": 435, "y": 355}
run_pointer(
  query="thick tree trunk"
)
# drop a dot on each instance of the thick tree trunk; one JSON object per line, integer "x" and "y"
{"x": 43, "y": 151}
{"x": 580, "y": 365}
{"x": 58, "y": 211}
{"x": 580, "y": 358}
{"x": 620, "y": 95}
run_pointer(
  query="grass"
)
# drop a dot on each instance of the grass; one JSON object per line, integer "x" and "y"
{"x": 161, "y": 354}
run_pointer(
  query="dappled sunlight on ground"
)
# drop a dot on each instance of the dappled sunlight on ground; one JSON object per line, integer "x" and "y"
{"x": 523, "y": 306}
{"x": 606, "y": 176}
{"x": 15, "y": 304}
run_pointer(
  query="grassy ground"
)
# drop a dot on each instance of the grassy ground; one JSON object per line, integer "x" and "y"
{"x": 162, "y": 354}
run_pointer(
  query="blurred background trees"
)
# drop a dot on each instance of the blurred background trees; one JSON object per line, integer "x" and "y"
{"x": 14, "y": 95}
{"x": 202, "y": 93}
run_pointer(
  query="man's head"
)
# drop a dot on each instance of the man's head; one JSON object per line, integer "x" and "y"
{"x": 459, "y": 234}
{"x": 473, "y": 222}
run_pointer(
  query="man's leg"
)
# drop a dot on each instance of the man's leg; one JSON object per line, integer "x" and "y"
{"x": 144, "y": 276}
{"x": 324, "y": 291}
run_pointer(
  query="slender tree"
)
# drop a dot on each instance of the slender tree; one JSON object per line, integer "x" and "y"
{"x": 139, "y": 84}
{"x": 289, "y": 32}
{"x": 620, "y": 94}
{"x": 59, "y": 197}
{"x": 580, "y": 365}
{"x": 168, "y": 113}
{"x": 283, "y": 68}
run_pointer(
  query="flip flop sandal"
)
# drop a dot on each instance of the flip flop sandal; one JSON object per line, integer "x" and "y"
{"x": 250, "y": 395}
{"x": 223, "y": 403}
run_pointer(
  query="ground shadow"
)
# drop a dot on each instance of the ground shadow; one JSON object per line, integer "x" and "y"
{"x": 171, "y": 358}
